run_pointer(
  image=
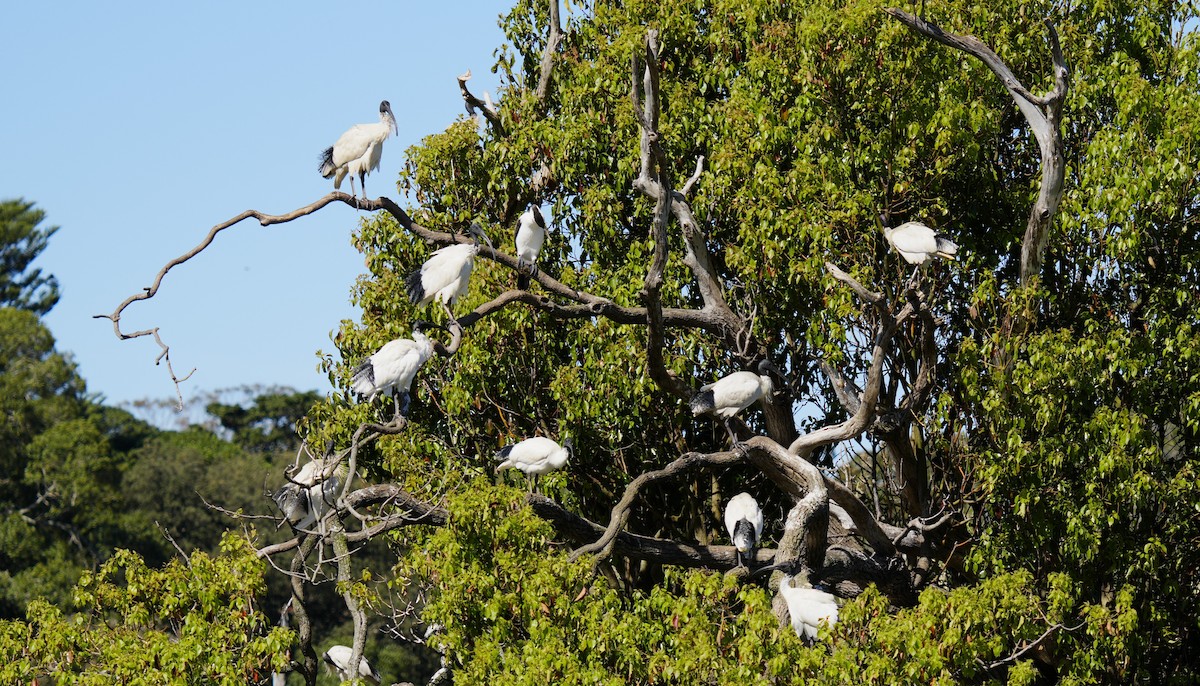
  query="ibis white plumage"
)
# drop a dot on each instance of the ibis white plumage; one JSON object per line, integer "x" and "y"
{"x": 338, "y": 658}
{"x": 535, "y": 456}
{"x": 733, "y": 393}
{"x": 446, "y": 275}
{"x": 744, "y": 522}
{"x": 809, "y": 608}
{"x": 358, "y": 151}
{"x": 393, "y": 368}
{"x": 917, "y": 243}
{"x": 531, "y": 234}
{"x": 310, "y": 494}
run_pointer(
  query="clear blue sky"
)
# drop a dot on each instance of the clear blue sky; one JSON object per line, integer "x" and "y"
{"x": 138, "y": 126}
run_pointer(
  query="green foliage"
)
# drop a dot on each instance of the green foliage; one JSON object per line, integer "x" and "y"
{"x": 515, "y": 613}
{"x": 1074, "y": 466}
{"x": 191, "y": 622}
{"x": 21, "y": 241}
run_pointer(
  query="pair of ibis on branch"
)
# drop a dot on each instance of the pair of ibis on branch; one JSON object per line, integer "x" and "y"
{"x": 731, "y": 394}
{"x": 808, "y": 607}
{"x": 445, "y": 276}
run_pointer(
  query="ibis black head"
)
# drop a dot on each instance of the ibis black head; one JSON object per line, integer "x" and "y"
{"x": 385, "y": 113}
{"x": 569, "y": 444}
{"x": 424, "y": 325}
{"x": 476, "y": 232}
{"x": 769, "y": 367}
{"x": 537, "y": 216}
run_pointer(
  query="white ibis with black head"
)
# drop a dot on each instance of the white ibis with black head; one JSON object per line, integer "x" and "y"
{"x": 808, "y": 607}
{"x": 735, "y": 392}
{"x": 917, "y": 243}
{"x": 744, "y": 522}
{"x": 446, "y": 275}
{"x": 394, "y": 366}
{"x": 337, "y": 658}
{"x": 358, "y": 151}
{"x": 531, "y": 234}
{"x": 535, "y": 456}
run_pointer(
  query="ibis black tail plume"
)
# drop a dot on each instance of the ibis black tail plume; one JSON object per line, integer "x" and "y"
{"x": 327, "y": 167}
{"x": 416, "y": 290}
{"x": 703, "y": 402}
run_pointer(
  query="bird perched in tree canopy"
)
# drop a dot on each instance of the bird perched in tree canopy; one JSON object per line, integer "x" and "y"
{"x": 531, "y": 234}
{"x": 338, "y": 658}
{"x": 916, "y": 242}
{"x": 808, "y": 607}
{"x": 308, "y": 495}
{"x": 358, "y": 151}
{"x": 744, "y": 522}
{"x": 535, "y": 456}
{"x": 446, "y": 275}
{"x": 394, "y": 367}
{"x": 733, "y": 393}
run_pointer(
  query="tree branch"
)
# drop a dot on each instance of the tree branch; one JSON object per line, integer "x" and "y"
{"x": 1044, "y": 115}
{"x": 603, "y": 546}
{"x": 552, "y": 42}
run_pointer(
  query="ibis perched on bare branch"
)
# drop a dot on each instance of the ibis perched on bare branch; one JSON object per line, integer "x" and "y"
{"x": 808, "y": 607}
{"x": 744, "y": 522}
{"x": 358, "y": 151}
{"x": 535, "y": 456}
{"x": 338, "y": 658}
{"x": 446, "y": 275}
{"x": 917, "y": 243}
{"x": 394, "y": 366}
{"x": 310, "y": 494}
{"x": 531, "y": 234}
{"x": 735, "y": 392}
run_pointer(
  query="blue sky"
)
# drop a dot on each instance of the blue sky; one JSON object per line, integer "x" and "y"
{"x": 138, "y": 126}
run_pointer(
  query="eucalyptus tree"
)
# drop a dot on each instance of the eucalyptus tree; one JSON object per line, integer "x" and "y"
{"x": 992, "y": 460}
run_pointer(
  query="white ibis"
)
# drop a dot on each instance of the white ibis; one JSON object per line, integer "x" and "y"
{"x": 744, "y": 522}
{"x": 531, "y": 234}
{"x": 394, "y": 367}
{"x": 446, "y": 275}
{"x": 733, "y": 393}
{"x": 535, "y": 456}
{"x": 311, "y": 493}
{"x": 358, "y": 151}
{"x": 808, "y": 607}
{"x": 338, "y": 658}
{"x": 916, "y": 243}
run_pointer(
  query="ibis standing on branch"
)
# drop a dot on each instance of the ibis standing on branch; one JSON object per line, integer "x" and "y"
{"x": 744, "y": 522}
{"x": 358, "y": 151}
{"x": 917, "y": 243}
{"x": 808, "y": 607}
{"x": 535, "y": 456}
{"x": 338, "y": 658}
{"x": 531, "y": 234}
{"x": 446, "y": 275}
{"x": 733, "y": 393}
{"x": 394, "y": 367}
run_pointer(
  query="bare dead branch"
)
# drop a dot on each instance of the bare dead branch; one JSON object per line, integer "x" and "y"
{"x": 474, "y": 104}
{"x": 603, "y": 547}
{"x": 690, "y": 184}
{"x": 552, "y": 42}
